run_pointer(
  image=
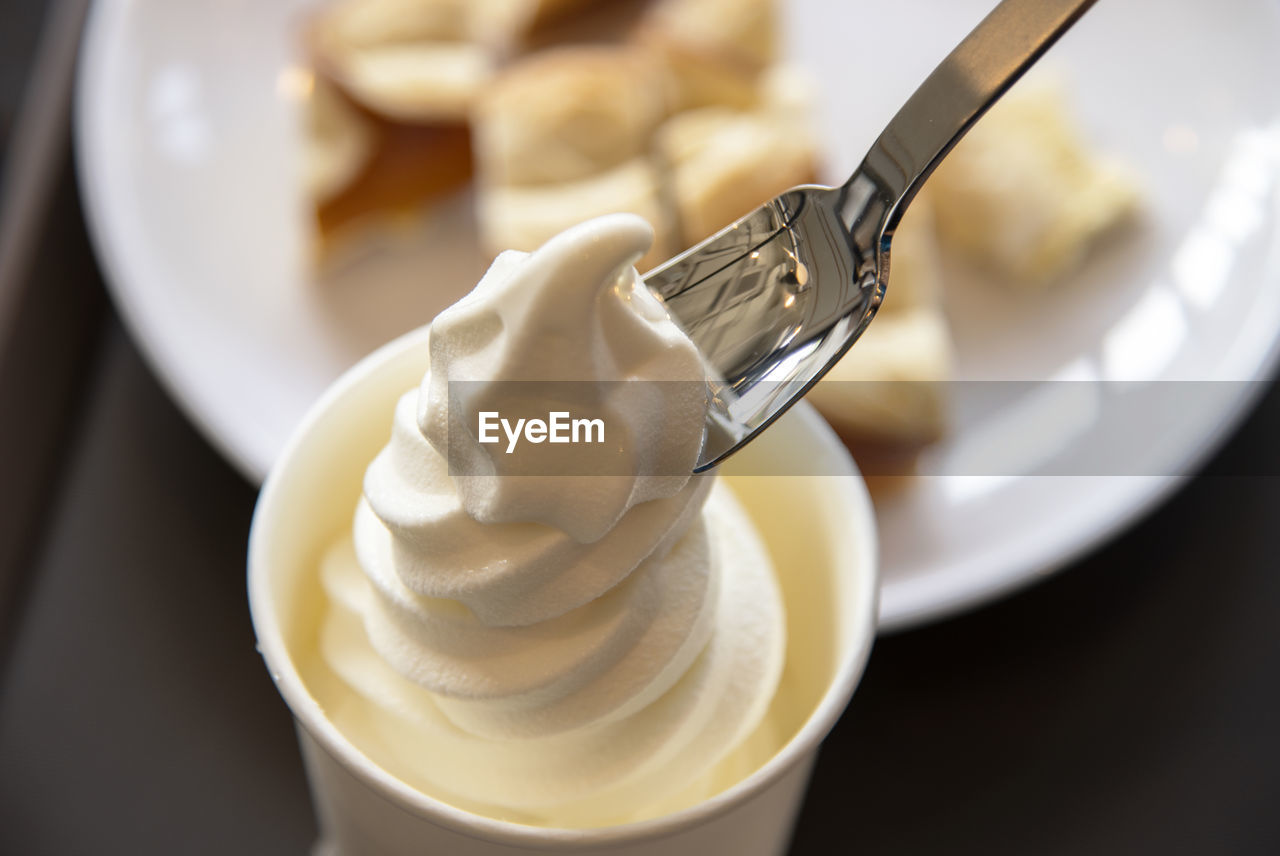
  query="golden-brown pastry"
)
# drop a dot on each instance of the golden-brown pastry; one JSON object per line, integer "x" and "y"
{"x": 725, "y": 163}
{"x": 565, "y": 136}
{"x": 339, "y": 141}
{"x": 523, "y": 217}
{"x": 506, "y": 23}
{"x": 566, "y": 114}
{"x": 408, "y": 91}
{"x": 409, "y": 61}
{"x": 891, "y": 385}
{"x": 915, "y": 268}
{"x": 387, "y": 116}
{"x": 714, "y": 50}
{"x": 1023, "y": 193}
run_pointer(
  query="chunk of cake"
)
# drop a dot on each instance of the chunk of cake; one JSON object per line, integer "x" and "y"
{"x": 715, "y": 51}
{"x": 670, "y": 109}
{"x": 389, "y": 114}
{"x": 1023, "y": 193}
{"x": 891, "y": 385}
{"x": 724, "y": 162}
{"x": 400, "y": 76}
{"x": 564, "y": 136}
{"x": 579, "y": 131}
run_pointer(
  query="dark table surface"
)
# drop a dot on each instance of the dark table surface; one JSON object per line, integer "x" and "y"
{"x": 1130, "y": 704}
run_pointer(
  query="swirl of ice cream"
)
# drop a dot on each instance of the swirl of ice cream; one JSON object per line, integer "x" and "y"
{"x": 563, "y": 326}
{"x": 565, "y": 649}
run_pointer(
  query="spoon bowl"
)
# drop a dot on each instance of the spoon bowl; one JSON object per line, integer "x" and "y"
{"x": 775, "y": 299}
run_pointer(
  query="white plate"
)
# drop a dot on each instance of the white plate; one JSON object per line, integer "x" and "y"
{"x": 187, "y": 148}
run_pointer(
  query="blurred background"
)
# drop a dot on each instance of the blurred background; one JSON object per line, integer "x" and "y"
{"x": 1125, "y": 705}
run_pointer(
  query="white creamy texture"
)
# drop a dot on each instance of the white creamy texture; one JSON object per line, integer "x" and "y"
{"x": 575, "y": 314}
{"x": 551, "y": 651}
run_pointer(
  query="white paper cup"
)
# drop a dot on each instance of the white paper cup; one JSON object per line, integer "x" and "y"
{"x": 819, "y": 530}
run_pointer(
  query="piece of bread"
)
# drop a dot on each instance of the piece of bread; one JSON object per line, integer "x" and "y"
{"x": 724, "y": 163}
{"x": 915, "y": 267}
{"x": 359, "y": 24}
{"x": 561, "y": 134}
{"x": 362, "y": 168}
{"x": 714, "y": 50}
{"x": 507, "y": 23}
{"x": 567, "y": 114}
{"x": 523, "y": 217}
{"x": 1023, "y": 193}
{"x": 338, "y": 143}
{"x": 565, "y": 136}
{"x": 387, "y": 128}
{"x": 891, "y": 386}
{"x": 409, "y": 61}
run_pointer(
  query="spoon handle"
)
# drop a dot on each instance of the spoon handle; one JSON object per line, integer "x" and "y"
{"x": 963, "y": 86}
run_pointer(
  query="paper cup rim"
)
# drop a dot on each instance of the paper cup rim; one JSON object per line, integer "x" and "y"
{"x": 309, "y": 716}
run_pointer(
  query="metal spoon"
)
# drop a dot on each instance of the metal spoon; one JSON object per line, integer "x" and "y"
{"x": 776, "y": 299}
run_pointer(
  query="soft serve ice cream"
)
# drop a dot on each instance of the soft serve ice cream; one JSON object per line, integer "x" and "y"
{"x": 566, "y": 650}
